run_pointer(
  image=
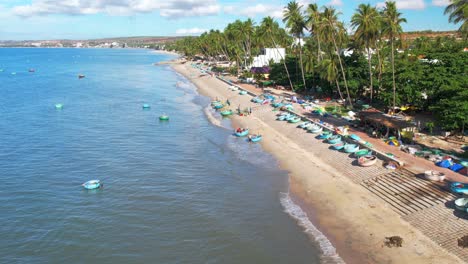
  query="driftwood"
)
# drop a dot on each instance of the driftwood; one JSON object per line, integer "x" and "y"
{"x": 393, "y": 241}
{"x": 463, "y": 242}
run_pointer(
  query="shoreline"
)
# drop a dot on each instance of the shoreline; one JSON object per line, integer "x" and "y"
{"x": 354, "y": 221}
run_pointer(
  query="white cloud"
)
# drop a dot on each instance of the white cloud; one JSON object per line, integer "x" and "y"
{"x": 335, "y": 3}
{"x": 190, "y": 31}
{"x": 407, "y": 4}
{"x": 254, "y": 10}
{"x": 167, "y": 8}
{"x": 440, "y": 2}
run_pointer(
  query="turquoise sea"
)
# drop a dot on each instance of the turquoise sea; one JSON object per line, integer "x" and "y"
{"x": 183, "y": 191}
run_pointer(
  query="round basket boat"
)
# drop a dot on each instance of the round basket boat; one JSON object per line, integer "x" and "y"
{"x": 434, "y": 175}
{"x": 462, "y": 204}
{"x": 367, "y": 160}
{"x": 164, "y": 118}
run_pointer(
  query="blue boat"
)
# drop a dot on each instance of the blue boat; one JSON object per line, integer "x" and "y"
{"x": 291, "y": 117}
{"x": 275, "y": 105}
{"x": 325, "y": 135}
{"x": 334, "y": 139}
{"x": 243, "y": 92}
{"x": 283, "y": 117}
{"x": 146, "y": 106}
{"x": 315, "y": 129}
{"x": 92, "y": 184}
{"x": 304, "y": 124}
{"x": 255, "y": 138}
{"x": 350, "y": 148}
{"x": 460, "y": 188}
{"x": 218, "y": 106}
{"x": 241, "y": 133}
{"x": 338, "y": 146}
{"x": 355, "y": 137}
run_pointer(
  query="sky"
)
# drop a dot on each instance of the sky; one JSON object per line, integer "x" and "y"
{"x": 89, "y": 19}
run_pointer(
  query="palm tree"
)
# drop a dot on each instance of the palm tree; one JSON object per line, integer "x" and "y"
{"x": 292, "y": 16}
{"x": 313, "y": 24}
{"x": 366, "y": 23}
{"x": 334, "y": 29}
{"x": 392, "y": 21}
{"x": 458, "y": 10}
{"x": 271, "y": 28}
{"x": 329, "y": 72}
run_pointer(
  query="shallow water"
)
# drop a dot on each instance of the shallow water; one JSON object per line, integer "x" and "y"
{"x": 182, "y": 191}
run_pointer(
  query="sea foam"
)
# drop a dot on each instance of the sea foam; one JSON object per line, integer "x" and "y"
{"x": 329, "y": 254}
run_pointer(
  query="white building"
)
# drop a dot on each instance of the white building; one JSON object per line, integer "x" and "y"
{"x": 268, "y": 54}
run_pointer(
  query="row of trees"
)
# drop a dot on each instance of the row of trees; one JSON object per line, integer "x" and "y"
{"x": 315, "y": 39}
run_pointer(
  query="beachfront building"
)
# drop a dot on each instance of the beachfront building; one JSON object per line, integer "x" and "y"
{"x": 267, "y": 55}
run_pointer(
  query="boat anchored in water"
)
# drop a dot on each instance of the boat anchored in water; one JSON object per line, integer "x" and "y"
{"x": 81, "y": 76}
{"x": 92, "y": 184}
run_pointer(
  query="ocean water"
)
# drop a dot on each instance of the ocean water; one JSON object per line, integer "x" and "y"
{"x": 182, "y": 191}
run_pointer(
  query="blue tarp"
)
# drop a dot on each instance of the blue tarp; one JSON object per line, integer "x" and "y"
{"x": 444, "y": 163}
{"x": 456, "y": 167}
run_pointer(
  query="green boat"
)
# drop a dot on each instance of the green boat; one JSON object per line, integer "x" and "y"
{"x": 58, "y": 106}
{"x": 164, "y": 118}
{"x": 362, "y": 152}
{"x": 294, "y": 120}
{"x": 226, "y": 113}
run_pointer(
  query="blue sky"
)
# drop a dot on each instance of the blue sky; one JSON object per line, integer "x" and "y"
{"x": 86, "y": 19}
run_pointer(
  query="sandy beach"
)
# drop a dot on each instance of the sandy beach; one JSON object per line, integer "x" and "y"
{"x": 354, "y": 220}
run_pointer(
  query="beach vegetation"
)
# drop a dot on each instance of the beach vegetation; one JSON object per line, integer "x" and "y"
{"x": 371, "y": 62}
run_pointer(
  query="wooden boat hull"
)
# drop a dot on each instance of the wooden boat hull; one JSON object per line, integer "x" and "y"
{"x": 367, "y": 161}
{"x": 434, "y": 175}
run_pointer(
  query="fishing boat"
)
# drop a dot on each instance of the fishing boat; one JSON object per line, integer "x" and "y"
{"x": 80, "y": 76}
{"x": 234, "y": 88}
{"x": 458, "y": 187}
{"x": 226, "y": 113}
{"x": 92, "y": 184}
{"x": 367, "y": 160}
{"x": 31, "y": 70}
{"x": 334, "y": 139}
{"x": 291, "y": 117}
{"x": 243, "y": 92}
{"x": 295, "y": 120}
{"x": 255, "y": 138}
{"x": 218, "y": 106}
{"x": 304, "y": 124}
{"x": 256, "y": 100}
{"x": 146, "y": 106}
{"x": 355, "y": 137}
{"x": 462, "y": 204}
{"x": 276, "y": 105}
{"x": 164, "y": 117}
{"x": 315, "y": 129}
{"x": 338, "y": 146}
{"x": 58, "y": 106}
{"x": 350, "y": 148}
{"x": 241, "y": 132}
{"x": 283, "y": 117}
{"x": 361, "y": 153}
{"x": 325, "y": 135}
{"x": 213, "y": 103}
{"x": 434, "y": 175}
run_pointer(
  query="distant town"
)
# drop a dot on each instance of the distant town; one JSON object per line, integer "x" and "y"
{"x": 125, "y": 42}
